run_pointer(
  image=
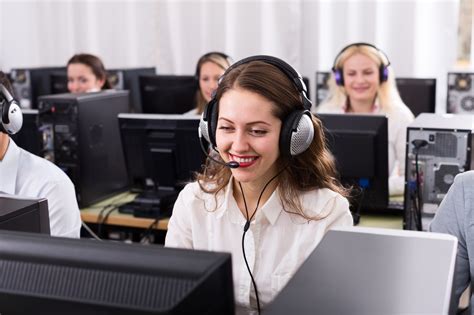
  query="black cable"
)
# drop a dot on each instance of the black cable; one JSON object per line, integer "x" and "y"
{"x": 102, "y": 223}
{"x": 149, "y": 230}
{"x": 247, "y": 226}
{"x": 418, "y": 195}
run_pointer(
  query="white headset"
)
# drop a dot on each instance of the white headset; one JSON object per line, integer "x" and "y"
{"x": 11, "y": 119}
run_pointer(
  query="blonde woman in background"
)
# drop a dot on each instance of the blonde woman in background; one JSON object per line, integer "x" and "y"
{"x": 209, "y": 68}
{"x": 363, "y": 82}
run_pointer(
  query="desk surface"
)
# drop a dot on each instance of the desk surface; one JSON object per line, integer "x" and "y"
{"x": 91, "y": 215}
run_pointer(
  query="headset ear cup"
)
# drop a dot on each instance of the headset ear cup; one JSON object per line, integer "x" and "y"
{"x": 297, "y": 133}
{"x": 208, "y": 122}
{"x": 383, "y": 73}
{"x": 12, "y": 117}
{"x": 338, "y": 77}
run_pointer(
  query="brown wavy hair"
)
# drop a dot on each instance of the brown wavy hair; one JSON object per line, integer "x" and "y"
{"x": 312, "y": 169}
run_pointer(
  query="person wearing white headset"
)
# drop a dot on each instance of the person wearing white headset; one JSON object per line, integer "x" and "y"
{"x": 272, "y": 179}
{"x": 27, "y": 175}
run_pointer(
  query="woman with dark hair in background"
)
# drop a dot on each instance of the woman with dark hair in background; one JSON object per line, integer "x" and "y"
{"x": 86, "y": 73}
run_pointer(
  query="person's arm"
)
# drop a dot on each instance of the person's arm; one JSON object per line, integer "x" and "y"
{"x": 452, "y": 217}
{"x": 64, "y": 215}
{"x": 340, "y": 213}
{"x": 179, "y": 232}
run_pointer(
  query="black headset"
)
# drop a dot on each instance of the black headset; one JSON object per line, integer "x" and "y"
{"x": 12, "y": 117}
{"x": 383, "y": 69}
{"x": 297, "y": 129}
{"x": 209, "y": 54}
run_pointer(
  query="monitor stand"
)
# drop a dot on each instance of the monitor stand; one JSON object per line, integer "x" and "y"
{"x": 151, "y": 204}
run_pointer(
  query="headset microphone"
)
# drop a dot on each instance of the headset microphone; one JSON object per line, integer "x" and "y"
{"x": 231, "y": 164}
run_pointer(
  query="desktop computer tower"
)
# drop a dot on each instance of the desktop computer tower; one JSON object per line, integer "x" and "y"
{"x": 460, "y": 98}
{"x": 127, "y": 79}
{"x": 439, "y": 146}
{"x": 29, "y": 84}
{"x": 81, "y": 135}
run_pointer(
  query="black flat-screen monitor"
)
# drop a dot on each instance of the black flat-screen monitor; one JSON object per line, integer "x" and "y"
{"x": 418, "y": 94}
{"x": 29, "y": 137}
{"x": 58, "y": 82}
{"x": 127, "y": 79}
{"x": 161, "y": 153}
{"x": 167, "y": 94}
{"x": 31, "y": 83}
{"x": 81, "y": 276}
{"x": 24, "y": 214}
{"x": 360, "y": 146}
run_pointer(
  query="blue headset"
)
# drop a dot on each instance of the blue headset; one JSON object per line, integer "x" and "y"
{"x": 383, "y": 69}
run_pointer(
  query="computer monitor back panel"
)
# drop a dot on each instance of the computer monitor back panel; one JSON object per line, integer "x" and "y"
{"x": 81, "y": 276}
{"x": 167, "y": 94}
{"x": 127, "y": 79}
{"x": 460, "y": 98}
{"x": 24, "y": 214}
{"x": 368, "y": 169}
{"x": 29, "y": 84}
{"x": 373, "y": 271}
{"x": 161, "y": 151}
{"x": 29, "y": 137}
{"x": 81, "y": 136}
{"x": 418, "y": 94}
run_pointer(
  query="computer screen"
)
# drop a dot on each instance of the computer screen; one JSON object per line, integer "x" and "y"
{"x": 24, "y": 214}
{"x": 29, "y": 137}
{"x": 167, "y": 94}
{"x": 81, "y": 276}
{"x": 418, "y": 94}
{"x": 58, "y": 82}
{"x": 161, "y": 153}
{"x": 127, "y": 79}
{"x": 31, "y": 83}
{"x": 360, "y": 146}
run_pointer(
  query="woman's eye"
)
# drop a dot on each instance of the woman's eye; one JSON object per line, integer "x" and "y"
{"x": 258, "y": 132}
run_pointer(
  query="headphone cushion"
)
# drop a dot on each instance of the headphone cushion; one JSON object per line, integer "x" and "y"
{"x": 297, "y": 133}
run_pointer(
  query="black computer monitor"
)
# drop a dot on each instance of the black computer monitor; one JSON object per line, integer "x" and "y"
{"x": 167, "y": 94}
{"x": 31, "y": 83}
{"x": 127, "y": 79}
{"x": 360, "y": 146}
{"x": 81, "y": 276}
{"x": 58, "y": 82}
{"x": 418, "y": 94}
{"x": 29, "y": 136}
{"x": 161, "y": 153}
{"x": 24, "y": 214}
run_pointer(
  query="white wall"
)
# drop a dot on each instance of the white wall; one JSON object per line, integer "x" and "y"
{"x": 419, "y": 36}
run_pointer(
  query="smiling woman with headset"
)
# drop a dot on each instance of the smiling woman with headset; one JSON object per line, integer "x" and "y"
{"x": 270, "y": 193}
{"x": 363, "y": 82}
